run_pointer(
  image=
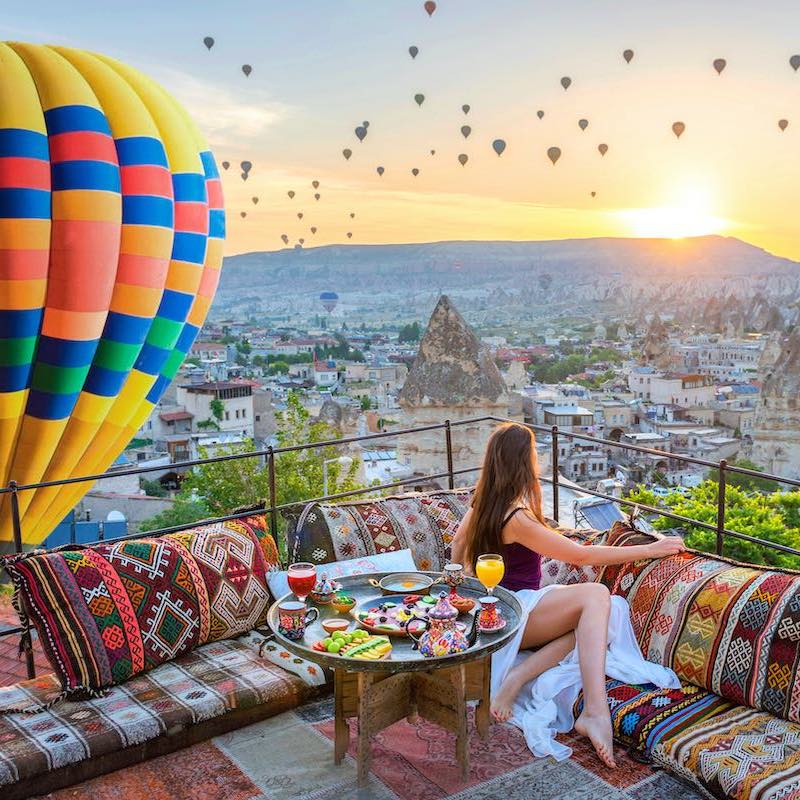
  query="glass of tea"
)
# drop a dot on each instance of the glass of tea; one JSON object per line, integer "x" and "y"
{"x": 302, "y": 577}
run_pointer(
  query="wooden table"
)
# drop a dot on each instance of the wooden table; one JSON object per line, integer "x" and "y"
{"x": 406, "y": 685}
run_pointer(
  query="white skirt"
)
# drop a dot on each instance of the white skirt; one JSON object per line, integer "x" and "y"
{"x": 544, "y": 706}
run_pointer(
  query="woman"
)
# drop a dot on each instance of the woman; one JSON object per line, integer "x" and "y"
{"x": 506, "y": 518}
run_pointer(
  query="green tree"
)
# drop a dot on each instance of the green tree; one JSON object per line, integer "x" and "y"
{"x": 278, "y": 368}
{"x": 773, "y": 517}
{"x": 747, "y": 482}
{"x": 185, "y": 510}
{"x": 410, "y": 333}
{"x": 217, "y": 408}
{"x": 153, "y": 488}
{"x": 366, "y": 403}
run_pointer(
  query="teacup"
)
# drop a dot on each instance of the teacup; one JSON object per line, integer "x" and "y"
{"x": 453, "y": 576}
{"x": 489, "y": 617}
{"x": 293, "y": 619}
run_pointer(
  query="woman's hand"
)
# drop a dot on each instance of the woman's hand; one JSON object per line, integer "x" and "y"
{"x": 666, "y": 546}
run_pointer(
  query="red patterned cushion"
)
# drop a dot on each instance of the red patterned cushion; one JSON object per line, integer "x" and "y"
{"x": 111, "y": 611}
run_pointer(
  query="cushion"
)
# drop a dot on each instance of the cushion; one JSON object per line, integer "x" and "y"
{"x": 555, "y": 571}
{"x": 212, "y": 680}
{"x": 397, "y": 561}
{"x": 424, "y": 523}
{"x": 109, "y": 611}
{"x": 742, "y": 754}
{"x": 730, "y": 628}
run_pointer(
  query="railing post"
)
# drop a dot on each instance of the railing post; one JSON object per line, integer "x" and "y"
{"x": 449, "y": 443}
{"x": 273, "y": 514}
{"x": 721, "y": 507}
{"x": 25, "y": 643}
{"x": 554, "y": 460}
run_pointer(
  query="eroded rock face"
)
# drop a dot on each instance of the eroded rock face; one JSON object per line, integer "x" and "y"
{"x": 452, "y": 367}
{"x": 655, "y": 349}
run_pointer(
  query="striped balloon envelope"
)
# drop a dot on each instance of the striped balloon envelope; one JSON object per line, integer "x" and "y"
{"x": 111, "y": 237}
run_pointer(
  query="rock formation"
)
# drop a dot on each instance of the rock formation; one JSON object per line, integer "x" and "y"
{"x": 655, "y": 349}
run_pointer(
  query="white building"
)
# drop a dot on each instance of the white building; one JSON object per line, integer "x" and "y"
{"x": 237, "y": 404}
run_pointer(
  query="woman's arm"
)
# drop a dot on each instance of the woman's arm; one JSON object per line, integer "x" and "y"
{"x": 527, "y": 530}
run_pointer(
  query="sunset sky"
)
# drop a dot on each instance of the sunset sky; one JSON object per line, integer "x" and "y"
{"x": 321, "y": 67}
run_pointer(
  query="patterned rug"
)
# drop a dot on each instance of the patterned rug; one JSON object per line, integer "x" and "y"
{"x": 290, "y": 757}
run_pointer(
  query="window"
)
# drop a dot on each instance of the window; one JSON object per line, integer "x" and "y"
{"x": 237, "y": 413}
{"x": 258, "y": 417}
{"x": 244, "y": 413}
{"x": 227, "y": 415}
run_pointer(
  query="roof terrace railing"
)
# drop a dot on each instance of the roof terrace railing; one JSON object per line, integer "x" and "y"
{"x": 272, "y": 508}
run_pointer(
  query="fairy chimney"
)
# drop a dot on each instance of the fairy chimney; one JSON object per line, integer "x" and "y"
{"x": 453, "y": 377}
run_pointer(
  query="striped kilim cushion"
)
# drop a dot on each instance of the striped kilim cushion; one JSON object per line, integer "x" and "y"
{"x": 111, "y": 611}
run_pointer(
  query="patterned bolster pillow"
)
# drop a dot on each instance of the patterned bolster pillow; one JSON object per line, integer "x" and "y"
{"x": 107, "y": 612}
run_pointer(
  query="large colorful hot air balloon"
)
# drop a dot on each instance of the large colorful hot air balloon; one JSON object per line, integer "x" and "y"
{"x": 111, "y": 235}
{"x": 329, "y": 301}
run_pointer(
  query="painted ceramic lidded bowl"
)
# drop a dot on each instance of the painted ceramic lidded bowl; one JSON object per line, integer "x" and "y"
{"x": 441, "y": 634}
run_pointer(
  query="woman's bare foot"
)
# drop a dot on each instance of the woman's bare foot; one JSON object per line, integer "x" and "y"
{"x": 597, "y": 728}
{"x": 501, "y": 708}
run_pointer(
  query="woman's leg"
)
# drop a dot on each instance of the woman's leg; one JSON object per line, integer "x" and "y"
{"x": 583, "y": 608}
{"x": 532, "y": 667}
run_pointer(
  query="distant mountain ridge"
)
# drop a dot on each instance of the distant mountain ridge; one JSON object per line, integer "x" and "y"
{"x": 361, "y": 267}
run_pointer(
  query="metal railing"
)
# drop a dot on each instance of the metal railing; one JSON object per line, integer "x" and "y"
{"x": 272, "y": 508}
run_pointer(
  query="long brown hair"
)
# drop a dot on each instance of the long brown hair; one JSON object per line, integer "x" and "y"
{"x": 510, "y": 474}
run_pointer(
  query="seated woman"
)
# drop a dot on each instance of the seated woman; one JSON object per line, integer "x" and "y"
{"x": 506, "y": 518}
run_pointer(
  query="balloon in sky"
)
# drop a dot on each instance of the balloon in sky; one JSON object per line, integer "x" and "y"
{"x": 226, "y": 164}
{"x": 433, "y": 152}
{"x": 313, "y": 229}
{"x": 465, "y": 108}
{"x": 593, "y": 194}
{"x": 463, "y": 158}
{"x": 347, "y": 152}
{"x": 329, "y": 301}
{"x": 315, "y": 184}
{"x": 285, "y": 238}
{"x": 242, "y": 214}
{"x": 107, "y": 277}
{"x": 603, "y": 148}
{"x": 349, "y": 235}
{"x": 380, "y": 170}
{"x": 352, "y": 215}
{"x": 361, "y": 133}
{"x": 302, "y": 241}
{"x": 430, "y": 7}
{"x": 554, "y": 153}
{"x": 365, "y": 123}
{"x": 466, "y": 131}
{"x": 317, "y": 196}
{"x": 719, "y": 65}
{"x": 247, "y": 69}
{"x": 540, "y": 114}
{"x": 566, "y": 82}
{"x": 583, "y": 124}
{"x": 678, "y": 128}
{"x": 291, "y": 194}
{"x": 413, "y": 51}
{"x": 419, "y": 99}
{"x": 255, "y": 200}
{"x": 498, "y": 145}
{"x": 244, "y": 176}
{"x": 783, "y": 124}
{"x": 628, "y": 56}
{"x": 299, "y": 215}
{"x": 246, "y": 166}
{"x": 794, "y": 61}
{"x": 208, "y": 42}
{"x": 415, "y": 172}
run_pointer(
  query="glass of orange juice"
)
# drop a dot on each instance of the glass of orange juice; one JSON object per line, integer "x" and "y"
{"x": 489, "y": 569}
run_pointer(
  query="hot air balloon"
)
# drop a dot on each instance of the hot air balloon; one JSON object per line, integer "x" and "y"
{"x": 628, "y": 56}
{"x": 380, "y": 170}
{"x": 244, "y": 176}
{"x": 246, "y": 166}
{"x": 315, "y": 184}
{"x": 226, "y": 164}
{"x": 783, "y": 124}
{"x": 255, "y": 200}
{"x": 566, "y": 82}
{"x": 554, "y": 153}
{"x": 462, "y": 159}
{"x": 329, "y": 301}
{"x": 603, "y": 148}
{"x": 208, "y": 42}
{"x": 365, "y": 123}
{"x": 413, "y": 51}
{"x": 465, "y": 108}
{"x": 719, "y": 65}
{"x": 433, "y": 152}
{"x": 430, "y": 7}
{"x": 794, "y": 62}
{"x": 466, "y": 131}
{"x": 678, "y": 128}
{"x": 498, "y": 145}
{"x": 302, "y": 241}
{"x": 299, "y": 215}
{"x": 361, "y": 133}
{"x": 347, "y": 152}
{"x": 242, "y": 214}
{"x": 593, "y": 194}
{"x": 583, "y": 124}
{"x": 317, "y": 196}
{"x": 285, "y": 238}
{"x": 415, "y": 172}
{"x": 419, "y": 99}
{"x": 540, "y": 114}
{"x": 91, "y": 335}
{"x": 291, "y": 194}
{"x": 352, "y": 215}
{"x": 349, "y": 235}
{"x": 313, "y": 229}
{"x": 247, "y": 69}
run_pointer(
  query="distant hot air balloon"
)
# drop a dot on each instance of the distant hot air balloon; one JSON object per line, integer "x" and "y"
{"x": 361, "y": 133}
{"x": 583, "y": 124}
{"x": 352, "y": 215}
{"x": 255, "y": 200}
{"x": 244, "y": 176}
{"x": 347, "y": 152}
{"x": 540, "y": 114}
{"x": 90, "y": 334}
{"x": 430, "y": 7}
{"x": 380, "y": 170}
{"x": 313, "y": 229}
{"x": 247, "y": 69}
{"x": 208, "y": 42}
{"x": 566, "y": 82}
{"x": 246, "y": 166}
{"x": 415, "y": 172}
{"x": 317, "y": 196}
{"x": 242, "y": 214}
{"x": 315, "y": 184}
{"x": 603, "y": 148}
{"x": 365, "y": 123}
{"x": 466, "y": 131}
{"x": 299, "y": 215}
{"x": 433, "y": 152}
{"x": 226, "y": 164}
{"x": 302, "y": 241}
{"x": 794, "y": 61}
{"x": 329, "y": 301}
{"x": 498, "y": 145}
{"x": 462, "y": 159}
{"x": 291, "y": 194}
{"x": 678, "y": 128}
{"x": 465, "y": 108}
{"x": 593, "y": 194}
{"x": 349, "y": 235}
{"x": 419, "y": 99}
{"x": 719, "y": 65}
{"x": 413, "y": 51}
{"x": 783, "y": 124}
{"x": 554, "y": 153}
{"x": 628, "y": 56}
{"x": 285, "y": 238}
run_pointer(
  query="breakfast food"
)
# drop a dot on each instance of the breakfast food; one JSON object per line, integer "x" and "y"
{"x": 463, "y": 604}
{"x": 358, "y": 644}
{"x": 390, "y": 616}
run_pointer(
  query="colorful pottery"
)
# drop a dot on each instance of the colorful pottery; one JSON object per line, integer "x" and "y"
{"x": 463, "y": 604}
{"x": 489, "y": 618}
{"x": 335, "y": 624}
{"x": 442, "y": 636}
{"x": 342, "y": 603}
{"x": 293, "y": 618}
{"x": 324, "y": 590}
{"x": 453, "y": 576}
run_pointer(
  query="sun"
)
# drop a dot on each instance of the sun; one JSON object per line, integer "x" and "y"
{"x": 690, "y": 214}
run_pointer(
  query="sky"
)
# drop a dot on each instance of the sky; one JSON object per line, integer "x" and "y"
{"x": 322, "y": 67}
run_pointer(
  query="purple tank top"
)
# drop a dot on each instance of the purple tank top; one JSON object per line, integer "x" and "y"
{"x": 523, "y": 565}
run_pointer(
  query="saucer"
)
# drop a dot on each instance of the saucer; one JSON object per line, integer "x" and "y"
{"x": 495, "y": 629}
